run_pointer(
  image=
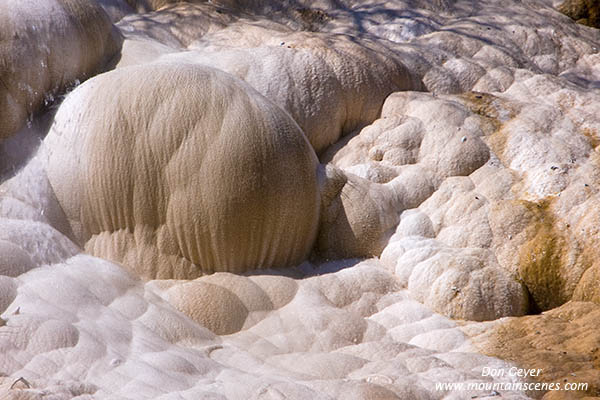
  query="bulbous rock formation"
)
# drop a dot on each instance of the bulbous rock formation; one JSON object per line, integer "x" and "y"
{"x": 180, "y": 170}
{"x": 479, "y": 198}
{"x": 46, "y": 46}
{"x": 357, "y": 216}
{"x": 329, "y": 84}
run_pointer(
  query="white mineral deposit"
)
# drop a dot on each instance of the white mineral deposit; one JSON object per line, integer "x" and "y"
{"x": 294, "y": 199}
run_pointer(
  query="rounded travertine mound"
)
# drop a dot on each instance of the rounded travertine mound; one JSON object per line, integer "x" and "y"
{"x": 493, "y": 192}
{"x": 359, "y": 336}
{"x": 357, "y": 216}
{"x": 179, "y": 170}
{"x": 227, "y": 303}
{"x": 587, "y": 289}
{"x": 25, "y": 245}
{"x": 330, "y": 84}
{"x": 45, "y": 47}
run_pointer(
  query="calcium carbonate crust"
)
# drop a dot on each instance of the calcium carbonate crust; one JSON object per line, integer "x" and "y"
{"x": 46, "y": 47}
{"x": 204, "y": 174}
{"x": 474, "y": 201}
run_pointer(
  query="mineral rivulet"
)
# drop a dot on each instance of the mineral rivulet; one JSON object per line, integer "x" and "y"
{"x": 327, "y": 200}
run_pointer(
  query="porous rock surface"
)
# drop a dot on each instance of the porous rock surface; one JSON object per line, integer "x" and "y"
{"x": 415, "y": 176}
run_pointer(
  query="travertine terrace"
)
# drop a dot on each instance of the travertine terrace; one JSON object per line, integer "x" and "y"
{"x": 332, "y": 199}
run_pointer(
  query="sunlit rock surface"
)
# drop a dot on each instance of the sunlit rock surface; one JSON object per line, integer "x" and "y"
{"x": 204, "y": 173}
{"x": 324, "y": 200}
{"x": 46, "y": 47}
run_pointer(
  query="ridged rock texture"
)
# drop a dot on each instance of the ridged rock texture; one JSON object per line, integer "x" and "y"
{"x": 199, "y": 174}
{"x": 254, "y": 199}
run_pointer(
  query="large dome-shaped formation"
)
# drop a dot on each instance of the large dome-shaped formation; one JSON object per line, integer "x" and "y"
{"x": 329, "y": 84}
{"x": 459, "y": 144}
{"x": 179, "y": 170}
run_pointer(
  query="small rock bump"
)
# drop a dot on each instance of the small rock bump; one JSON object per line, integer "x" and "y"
{"x": 376, "y": 154}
